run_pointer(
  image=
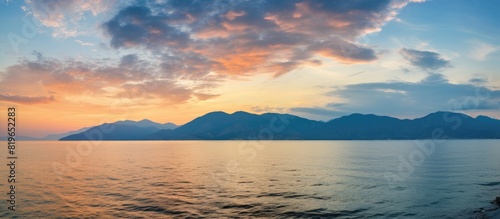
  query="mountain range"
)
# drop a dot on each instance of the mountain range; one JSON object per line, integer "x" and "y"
{"x": 47, "y": 137}
{"x": 273, "y": 126}
{"x": 125, "y": 130}
{"x": 121, "y": 130}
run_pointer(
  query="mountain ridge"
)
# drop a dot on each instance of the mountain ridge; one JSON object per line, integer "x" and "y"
{"x": 120, "y": 130}
{"x": 241, "y": 125}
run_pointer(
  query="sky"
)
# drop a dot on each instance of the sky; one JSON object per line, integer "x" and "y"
{"x": 68, "y": 64}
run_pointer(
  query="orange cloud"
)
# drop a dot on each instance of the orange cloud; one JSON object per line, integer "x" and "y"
{"x": 45, "y": 80}
{"x": 231, "y": 15}
{"x": 26, "y": 99}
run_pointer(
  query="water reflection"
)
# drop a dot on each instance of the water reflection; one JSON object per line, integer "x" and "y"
{"x": 284, "y": 179}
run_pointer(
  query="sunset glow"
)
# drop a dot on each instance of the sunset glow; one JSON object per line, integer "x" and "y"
{"x": 72, "y": 64}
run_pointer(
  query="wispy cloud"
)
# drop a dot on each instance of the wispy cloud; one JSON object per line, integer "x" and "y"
{"x": 26, "y": 99}
{"x": 84, "y": 43}
{"x": 318, "y": 111}
{"x": 265, "y": 109}
{"x": 481, "y": 50}
{"x": 64, "y": 17}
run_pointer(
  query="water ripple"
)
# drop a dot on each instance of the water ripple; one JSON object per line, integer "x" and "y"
{"x": 490, "y": 184}
{"x": 152, "y": 208}
{"x": 320, "y": 179}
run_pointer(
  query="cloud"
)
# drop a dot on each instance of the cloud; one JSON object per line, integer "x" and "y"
{"x": 480, "y": 50}
{"x": 398, "y": 98}
{"x": 202, "y": 96}
{"x": 189, "y": 65}
{"x": 248, "y": 37}
{"x": 434, "y": 78}
{"x": 84, "y": 43}
{"x": 478, "y": 80}
{"x": 165, "y": 89}
{"x": 425, "y": 60}
{"x": 26, "y": 99}
{"x": 137, "y": 25}
{"x": 66, "y": 16}
{"x": 130, "y": 77}
{"x": 433, "y": 93}
{"x": 266, "y": 109}
{"x": 345, "y": 52}
{"x": 318, "y": 111}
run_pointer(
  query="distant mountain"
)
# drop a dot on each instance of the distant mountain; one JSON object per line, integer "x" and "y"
{"x": 21, "y": 138}
{"x": 62, "y": 135}
{"x": 121, "y": 130}
{"x": 273, "y": 126}
{"x": 451, "y": 125}
{"x": 147, "y": 123}
{"x": 240, "y": 125}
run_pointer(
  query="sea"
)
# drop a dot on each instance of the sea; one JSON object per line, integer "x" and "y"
{"x": 251, "y": 179}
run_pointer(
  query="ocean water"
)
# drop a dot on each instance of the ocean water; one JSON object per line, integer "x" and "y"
{"x": 253, "y": 179}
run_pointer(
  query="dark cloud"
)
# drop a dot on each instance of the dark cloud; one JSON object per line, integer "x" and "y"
{"x": 344, "y": 51}
{"x": 478, "y": 80}
{"x": 238, "y": 37}
{"x": 129, "y": 60}
{"x": 434, "y": 78}
{"x": 345, "y": 6}
{"x": 425, "y": 60}
{"x": 26, "y": 99}
{"x": 138, "y": 26}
